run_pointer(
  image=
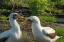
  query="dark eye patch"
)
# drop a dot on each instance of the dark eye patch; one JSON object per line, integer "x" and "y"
{"x": 29, "y": 20}
{"x": 14, "y": 16}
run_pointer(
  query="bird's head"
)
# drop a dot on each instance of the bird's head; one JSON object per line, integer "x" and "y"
{"x": 15, "y": 15}
{"x": 32, "y": 19}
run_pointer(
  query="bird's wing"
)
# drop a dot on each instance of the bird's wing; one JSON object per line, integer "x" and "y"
{"x": 49, "y": 32}
{"x": 4, "y": 36}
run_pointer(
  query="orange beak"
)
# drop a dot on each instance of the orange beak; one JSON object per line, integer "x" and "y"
{"x": 26, "y": 22}
{"x": 18, "y": 16}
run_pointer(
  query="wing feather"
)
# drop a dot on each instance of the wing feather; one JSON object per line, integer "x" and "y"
{"x": 4, "y": 34}
{"x": 49, "y": 32}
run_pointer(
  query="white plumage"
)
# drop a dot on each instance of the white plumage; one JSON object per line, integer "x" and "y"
{"x": 41, "y": 33}
{"x": 14, "y": 34}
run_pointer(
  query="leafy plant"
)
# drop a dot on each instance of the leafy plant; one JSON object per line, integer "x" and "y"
{"x": 3, "y": 17}
{"x": 59, "y": 31}
{"x": 54, "y": 10}
{"x": 60, "y": 39}
{"x": 22, "y": 19}
{"x": 5, "y": 25}
{"x": 24, "y": 35}
{"x": 37, "y": 6}
{"x": 55, "y": 1}
{"x": 61, "y": 2}
{"x": 47, "y": 18}
{"x": 4, "y": 10}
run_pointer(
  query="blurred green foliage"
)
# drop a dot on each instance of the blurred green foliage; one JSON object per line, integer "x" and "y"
{"x": 3, "y": 17}
{"x": 59, "y": 32}
{"x": 47, "y": 18}
{"x": 5, "y": 25}
{"x": 37, "y": 7}
{"x": 4, "y": 10}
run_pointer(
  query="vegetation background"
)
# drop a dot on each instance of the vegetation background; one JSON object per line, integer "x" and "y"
{"x": 46, "y": 10}
{"x": 43, "y": 8}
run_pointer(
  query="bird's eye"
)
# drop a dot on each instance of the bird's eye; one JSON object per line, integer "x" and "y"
{"x": 29, "y": 20}
{"x": 14, "y": 16}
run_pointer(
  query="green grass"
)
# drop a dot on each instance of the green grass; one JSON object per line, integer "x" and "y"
{"x": 3, "y": 17}
{"x": 25, "y": 37}
{"x": 24, "y": 34}
{"x": 54, "y": 10}
{"x": 5, "y": 25}
{"x": 60, "y": 39}
{"x": 60, "y": 31}
{"x": 47, "y": 18}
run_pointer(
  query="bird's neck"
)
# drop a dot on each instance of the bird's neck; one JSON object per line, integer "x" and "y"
{"x": 36, "y": 24}
{"x": 15, "y": 26}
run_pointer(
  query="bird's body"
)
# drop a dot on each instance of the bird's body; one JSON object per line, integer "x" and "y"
{"x": 14, "y": 34}
{"x": 42, "y": 34}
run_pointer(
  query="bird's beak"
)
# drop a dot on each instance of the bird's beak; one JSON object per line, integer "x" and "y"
{"x": 18, "y": 16}
{"x": 26, "y": 22}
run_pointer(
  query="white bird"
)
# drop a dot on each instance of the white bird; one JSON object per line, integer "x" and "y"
{"x": 14, "y": 34}
{"x": 42, "y": 34}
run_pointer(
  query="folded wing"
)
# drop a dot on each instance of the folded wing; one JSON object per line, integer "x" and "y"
{"x": 49, "y": 32}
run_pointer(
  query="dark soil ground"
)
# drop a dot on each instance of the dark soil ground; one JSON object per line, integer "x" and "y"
{"x": 4, "y": 25}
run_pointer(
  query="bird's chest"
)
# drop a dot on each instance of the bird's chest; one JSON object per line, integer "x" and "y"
{"x": 16, "y": 35}
{"x": 36, "y": 30}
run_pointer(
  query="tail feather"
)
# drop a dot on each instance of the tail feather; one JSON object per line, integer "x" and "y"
{"x": 57, "y": 37}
